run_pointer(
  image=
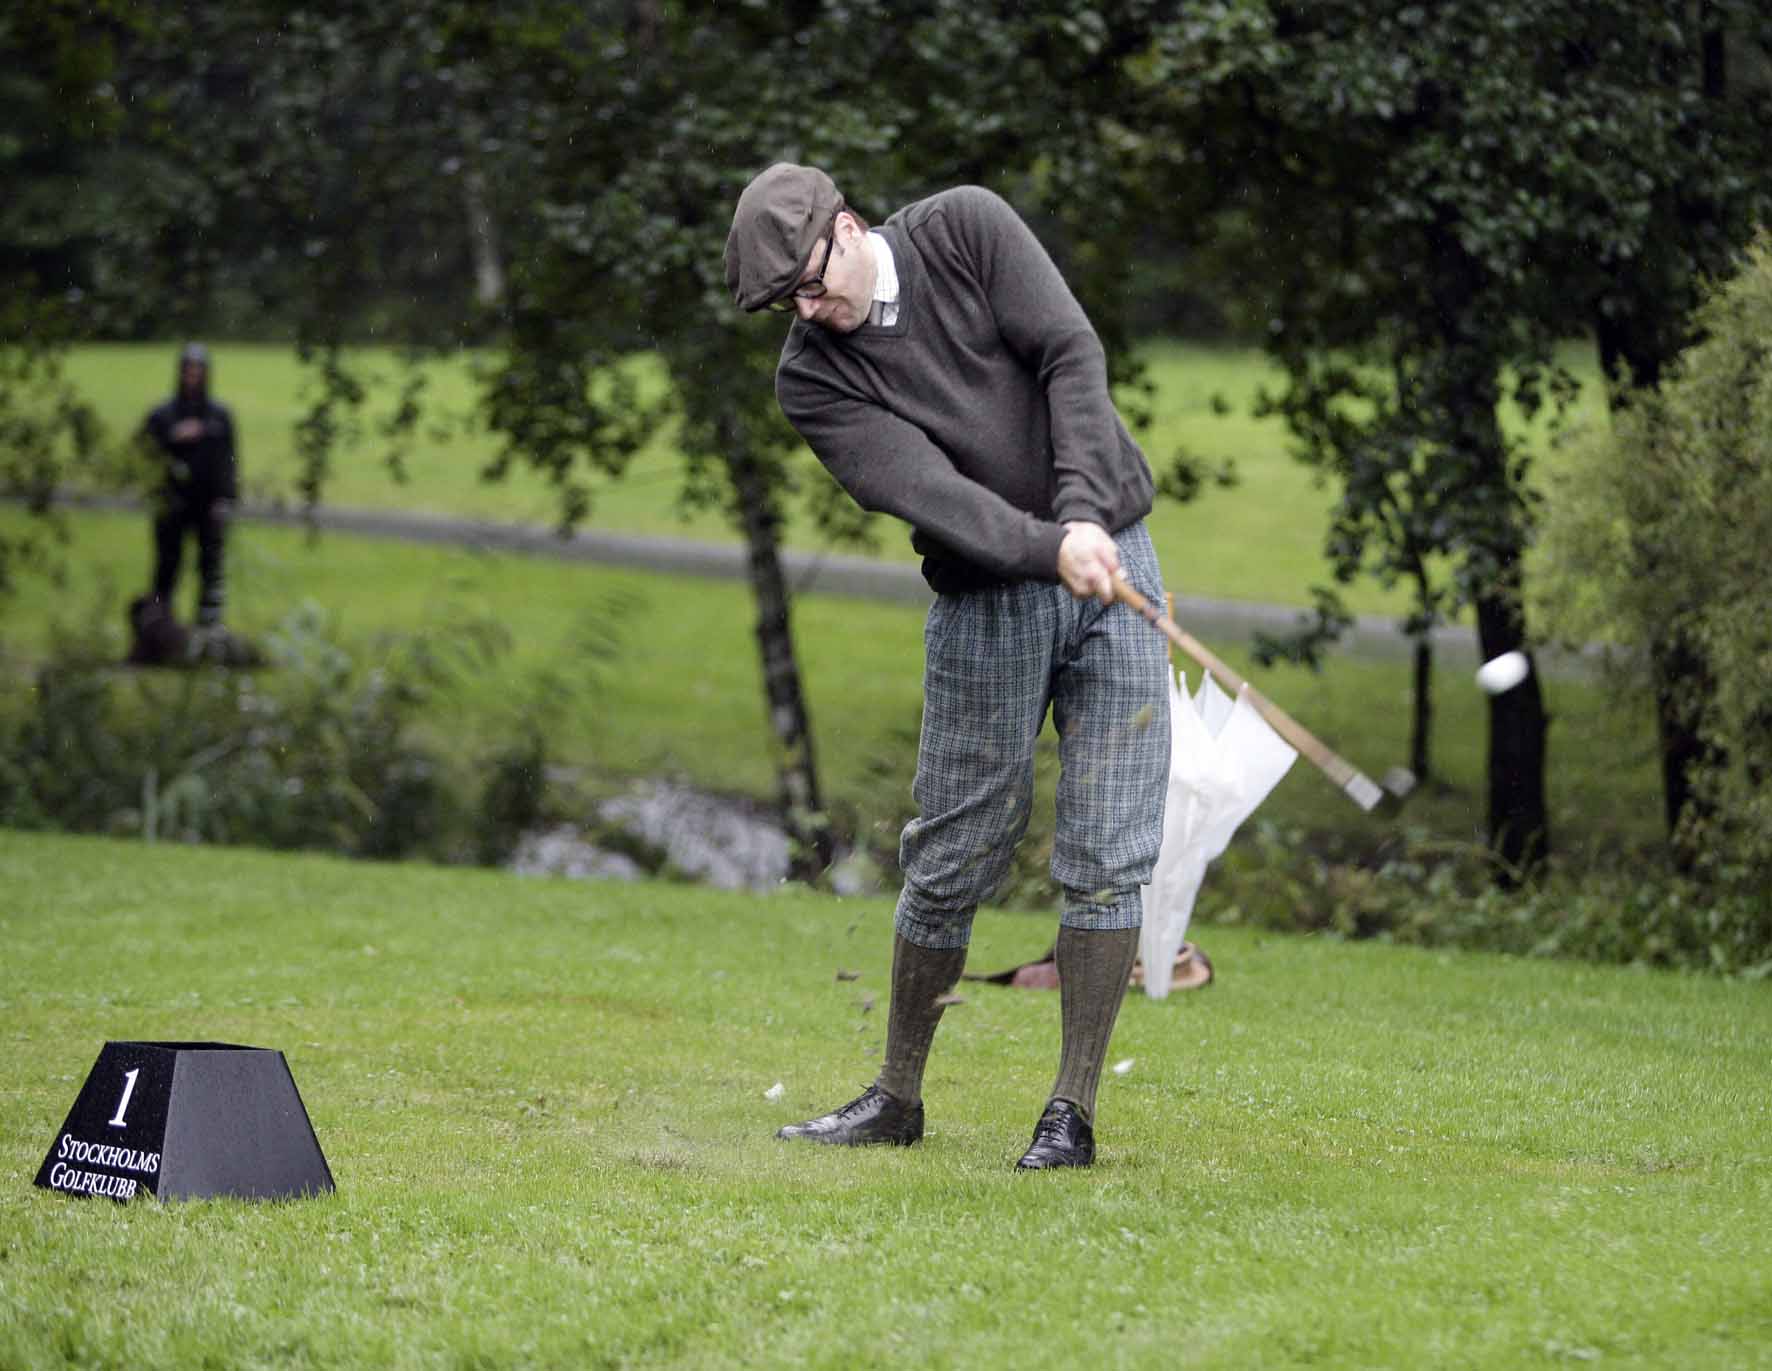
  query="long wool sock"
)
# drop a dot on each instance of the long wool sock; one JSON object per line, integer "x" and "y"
{"x": 921, "y": 980}
{"x": 1093, "y": 967}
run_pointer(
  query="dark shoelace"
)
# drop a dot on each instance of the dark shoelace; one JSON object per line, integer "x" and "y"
{"x": 860, "y": 1102}
{"x": 1051, "y": 1128}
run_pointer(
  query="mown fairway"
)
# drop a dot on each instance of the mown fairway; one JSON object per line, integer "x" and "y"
{"x": 544, "y": 1107}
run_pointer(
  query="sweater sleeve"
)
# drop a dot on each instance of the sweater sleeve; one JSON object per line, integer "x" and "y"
{"x": 1042, "y": 322}
{"x": 890, "y": 466}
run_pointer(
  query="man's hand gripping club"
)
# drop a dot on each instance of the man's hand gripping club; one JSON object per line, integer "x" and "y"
{"x": 1087, "y": 561}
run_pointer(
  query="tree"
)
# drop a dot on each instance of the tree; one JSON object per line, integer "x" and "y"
{"x": 1697, "y": 181}
{"x": 1428, "y": 183}
{"x": 350, "y": 144}
{"x": 1661, "y": 536}
{"x": 172, "y": 161}
{"x": 632, "y": 258}
{"x": 57, "y": 160}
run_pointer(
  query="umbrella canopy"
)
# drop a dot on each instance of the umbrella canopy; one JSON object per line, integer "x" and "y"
{"x": 1224, "y": 759}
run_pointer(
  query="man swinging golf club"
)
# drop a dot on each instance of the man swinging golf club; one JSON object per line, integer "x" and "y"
{"x": 943, "y": 372}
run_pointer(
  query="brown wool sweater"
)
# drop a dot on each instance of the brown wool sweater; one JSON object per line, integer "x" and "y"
{"x": 982, "y": 416}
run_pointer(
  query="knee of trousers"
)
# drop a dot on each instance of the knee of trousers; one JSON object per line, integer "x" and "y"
{"x": 931, "y": 926}
{"x": 957, "y": 862}
{"x": 1104, "y": 864}
{"x": 951, "y": 867}
{"x": 1098, "y": 911}
{"x": 1109, "y": 834}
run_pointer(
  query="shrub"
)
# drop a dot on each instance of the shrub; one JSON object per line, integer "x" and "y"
{"x": 1435, "y": 894}
{"x": 1657, "y": 538}
{"x": 513, "y": 797}
{"x": 322, "y": 750}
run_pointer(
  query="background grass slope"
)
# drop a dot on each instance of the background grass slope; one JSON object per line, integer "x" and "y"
{"x": 684, "y": 698}
{"x": 682, "y": 694}
{"x": 1260, "y": 541}
{"x": 544, "y": 1106}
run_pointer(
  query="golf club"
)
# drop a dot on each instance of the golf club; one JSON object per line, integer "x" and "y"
{"x": 1359, "y": 787}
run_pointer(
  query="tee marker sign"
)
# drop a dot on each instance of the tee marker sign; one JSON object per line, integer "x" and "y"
{"x": 184, "y": 1121}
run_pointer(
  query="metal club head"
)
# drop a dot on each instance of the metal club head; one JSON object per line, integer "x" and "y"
{"x": 1395, "y": 788}
{"x": 1361, "y": 791}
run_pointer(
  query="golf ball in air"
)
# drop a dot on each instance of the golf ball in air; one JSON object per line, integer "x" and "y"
{"x": 1503, "y": 672}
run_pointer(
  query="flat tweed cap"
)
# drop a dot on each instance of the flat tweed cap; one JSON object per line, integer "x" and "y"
{"x": 779, "y": 220}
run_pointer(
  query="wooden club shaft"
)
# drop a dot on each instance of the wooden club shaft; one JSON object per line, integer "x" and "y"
{"x": 1359, "y": 788}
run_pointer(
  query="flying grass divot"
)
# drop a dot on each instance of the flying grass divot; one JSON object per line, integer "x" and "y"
{"x": 187, "y": 1120}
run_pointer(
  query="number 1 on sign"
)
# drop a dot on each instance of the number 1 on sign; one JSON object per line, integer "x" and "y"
{"x": 128, "y": 1090}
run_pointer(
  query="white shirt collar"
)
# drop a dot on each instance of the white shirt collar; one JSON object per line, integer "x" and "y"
{"x": 885, "y": 279}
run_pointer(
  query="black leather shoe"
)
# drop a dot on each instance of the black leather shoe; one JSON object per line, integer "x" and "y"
{"x": 1063, "y": 1137}
{"x": 870, "y": 1118}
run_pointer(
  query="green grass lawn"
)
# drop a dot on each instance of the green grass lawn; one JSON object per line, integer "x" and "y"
{"x": 1261, "y": 540}
{"x": 683, "y": 694}
{"x": 544, "y": 1105}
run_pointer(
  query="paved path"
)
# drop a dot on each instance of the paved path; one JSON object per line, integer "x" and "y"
{"x": 833, "y": 573}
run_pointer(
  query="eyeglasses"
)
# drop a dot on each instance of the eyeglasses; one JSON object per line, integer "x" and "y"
{"x": 812, "y": 288}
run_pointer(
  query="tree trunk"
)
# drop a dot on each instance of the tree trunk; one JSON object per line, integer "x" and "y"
{"x": 1519, "y": 819}
{"x": 1421, "y": 727}
{"x": 1519, "y": 822}
{"x": 482, "y": 227}
{"x": 1464, "y": 398}
{"x": 802, "y": 811}
{"x": 489, "y": 276}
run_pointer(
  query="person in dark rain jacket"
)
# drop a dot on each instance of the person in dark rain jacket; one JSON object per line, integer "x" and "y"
{"x": 195, "y": 435}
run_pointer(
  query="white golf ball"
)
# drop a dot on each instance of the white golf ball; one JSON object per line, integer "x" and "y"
{"x": 1503, "y": 672}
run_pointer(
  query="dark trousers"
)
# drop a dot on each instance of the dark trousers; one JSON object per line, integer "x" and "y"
{"x": 181, "y": 514}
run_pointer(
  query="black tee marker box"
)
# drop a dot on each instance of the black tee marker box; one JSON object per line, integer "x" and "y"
{"x": 187, "y": 1121}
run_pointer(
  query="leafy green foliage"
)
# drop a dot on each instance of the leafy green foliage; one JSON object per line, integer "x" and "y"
{"x": 1660, "y": 533}
{"x": 57, "y": 69}
{"x": 47, "y": 431}
{"x": 1426, "y": 892}
{"x": 319, "y": 750}
{"x": 1441, "y": 193}
{"x": 59, "y": 78}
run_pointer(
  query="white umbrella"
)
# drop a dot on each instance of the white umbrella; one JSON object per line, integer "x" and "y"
{"x": 1224, "y": 759}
